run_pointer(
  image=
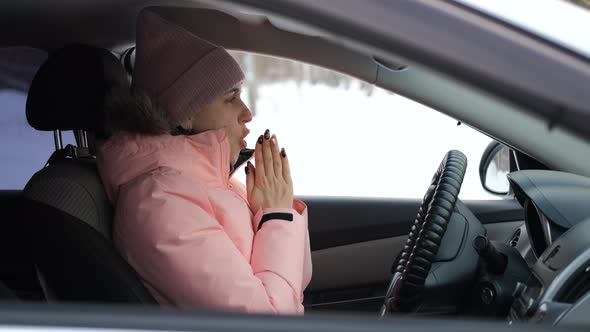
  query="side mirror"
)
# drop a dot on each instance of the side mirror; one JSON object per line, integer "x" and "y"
{"x": 493, "y": 168}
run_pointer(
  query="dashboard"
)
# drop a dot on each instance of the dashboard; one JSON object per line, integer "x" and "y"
{"x": 541, "y": 230}
{"x": 557, "y": 220}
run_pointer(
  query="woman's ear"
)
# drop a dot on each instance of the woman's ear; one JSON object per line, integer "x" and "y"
{"x": 187, "y": 124}
{"x": 185, "y": 128}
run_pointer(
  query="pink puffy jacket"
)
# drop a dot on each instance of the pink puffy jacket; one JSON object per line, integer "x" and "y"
{"x": 185, "y": 226}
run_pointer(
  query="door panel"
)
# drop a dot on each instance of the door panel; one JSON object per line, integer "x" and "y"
{"x": 362, "y": 263}
{"x": 355, "y": 241}
{"x": 340, "y": 221}
{"x": 496, "y": 211}
{"x": 352, "y": 277}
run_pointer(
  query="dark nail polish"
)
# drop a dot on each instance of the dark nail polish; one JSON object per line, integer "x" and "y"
{"x": 260, "y": 139}
{"x": 283, "y": 153}
{"x": 267, "y": 134}
{"x": 246, "y": 170}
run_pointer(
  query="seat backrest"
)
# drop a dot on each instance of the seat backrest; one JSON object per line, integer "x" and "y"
{"x": 66, "y": 211}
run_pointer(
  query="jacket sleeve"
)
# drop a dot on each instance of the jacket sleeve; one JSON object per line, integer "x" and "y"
{"x": 281, "y": 248}
{"x": 183, "y": 253}
{"x": 301, "y": 210}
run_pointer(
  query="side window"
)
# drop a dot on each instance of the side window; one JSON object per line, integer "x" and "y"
{"x": 23, "y": 150}
{"x": 346, "y": 137}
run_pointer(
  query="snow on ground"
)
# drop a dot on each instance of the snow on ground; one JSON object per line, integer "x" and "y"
{"x": 346, "y": 143}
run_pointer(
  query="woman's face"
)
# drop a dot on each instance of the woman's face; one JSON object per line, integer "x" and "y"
{"x": 229, "y": 112}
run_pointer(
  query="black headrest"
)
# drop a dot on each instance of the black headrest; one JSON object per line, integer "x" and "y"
{"x": 68, "y": 91}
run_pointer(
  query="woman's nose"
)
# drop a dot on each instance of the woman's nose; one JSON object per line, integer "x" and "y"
{"x": 246, "y": 114}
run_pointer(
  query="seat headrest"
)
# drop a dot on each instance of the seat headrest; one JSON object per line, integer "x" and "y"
{"x": 69, "y": 90}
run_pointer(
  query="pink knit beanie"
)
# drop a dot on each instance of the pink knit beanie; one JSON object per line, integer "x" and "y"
{"x": 182, "y": 71}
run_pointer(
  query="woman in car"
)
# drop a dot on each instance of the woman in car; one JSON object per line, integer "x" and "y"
{"x": 196, "y": 236}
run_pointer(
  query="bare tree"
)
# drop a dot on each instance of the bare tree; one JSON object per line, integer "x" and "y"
{"x": 583, "y": 3}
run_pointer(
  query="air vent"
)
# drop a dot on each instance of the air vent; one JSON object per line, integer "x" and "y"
{"x": 578, "y": 288}
{"x": 514, "y": 239}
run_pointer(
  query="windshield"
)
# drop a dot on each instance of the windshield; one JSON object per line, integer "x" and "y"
{"x": 564, "y": 22}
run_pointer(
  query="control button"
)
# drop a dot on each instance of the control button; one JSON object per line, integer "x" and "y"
{"x": 487, "y": 295}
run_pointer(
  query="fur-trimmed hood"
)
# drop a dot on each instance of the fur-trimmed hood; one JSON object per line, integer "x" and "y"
{"x": 133, "y": 111}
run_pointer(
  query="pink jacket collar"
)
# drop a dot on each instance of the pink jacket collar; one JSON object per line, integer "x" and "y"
{"x": 124, "y": 157}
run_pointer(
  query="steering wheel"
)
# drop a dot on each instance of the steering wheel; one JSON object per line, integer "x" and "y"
{"x": 415, "y": 260}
